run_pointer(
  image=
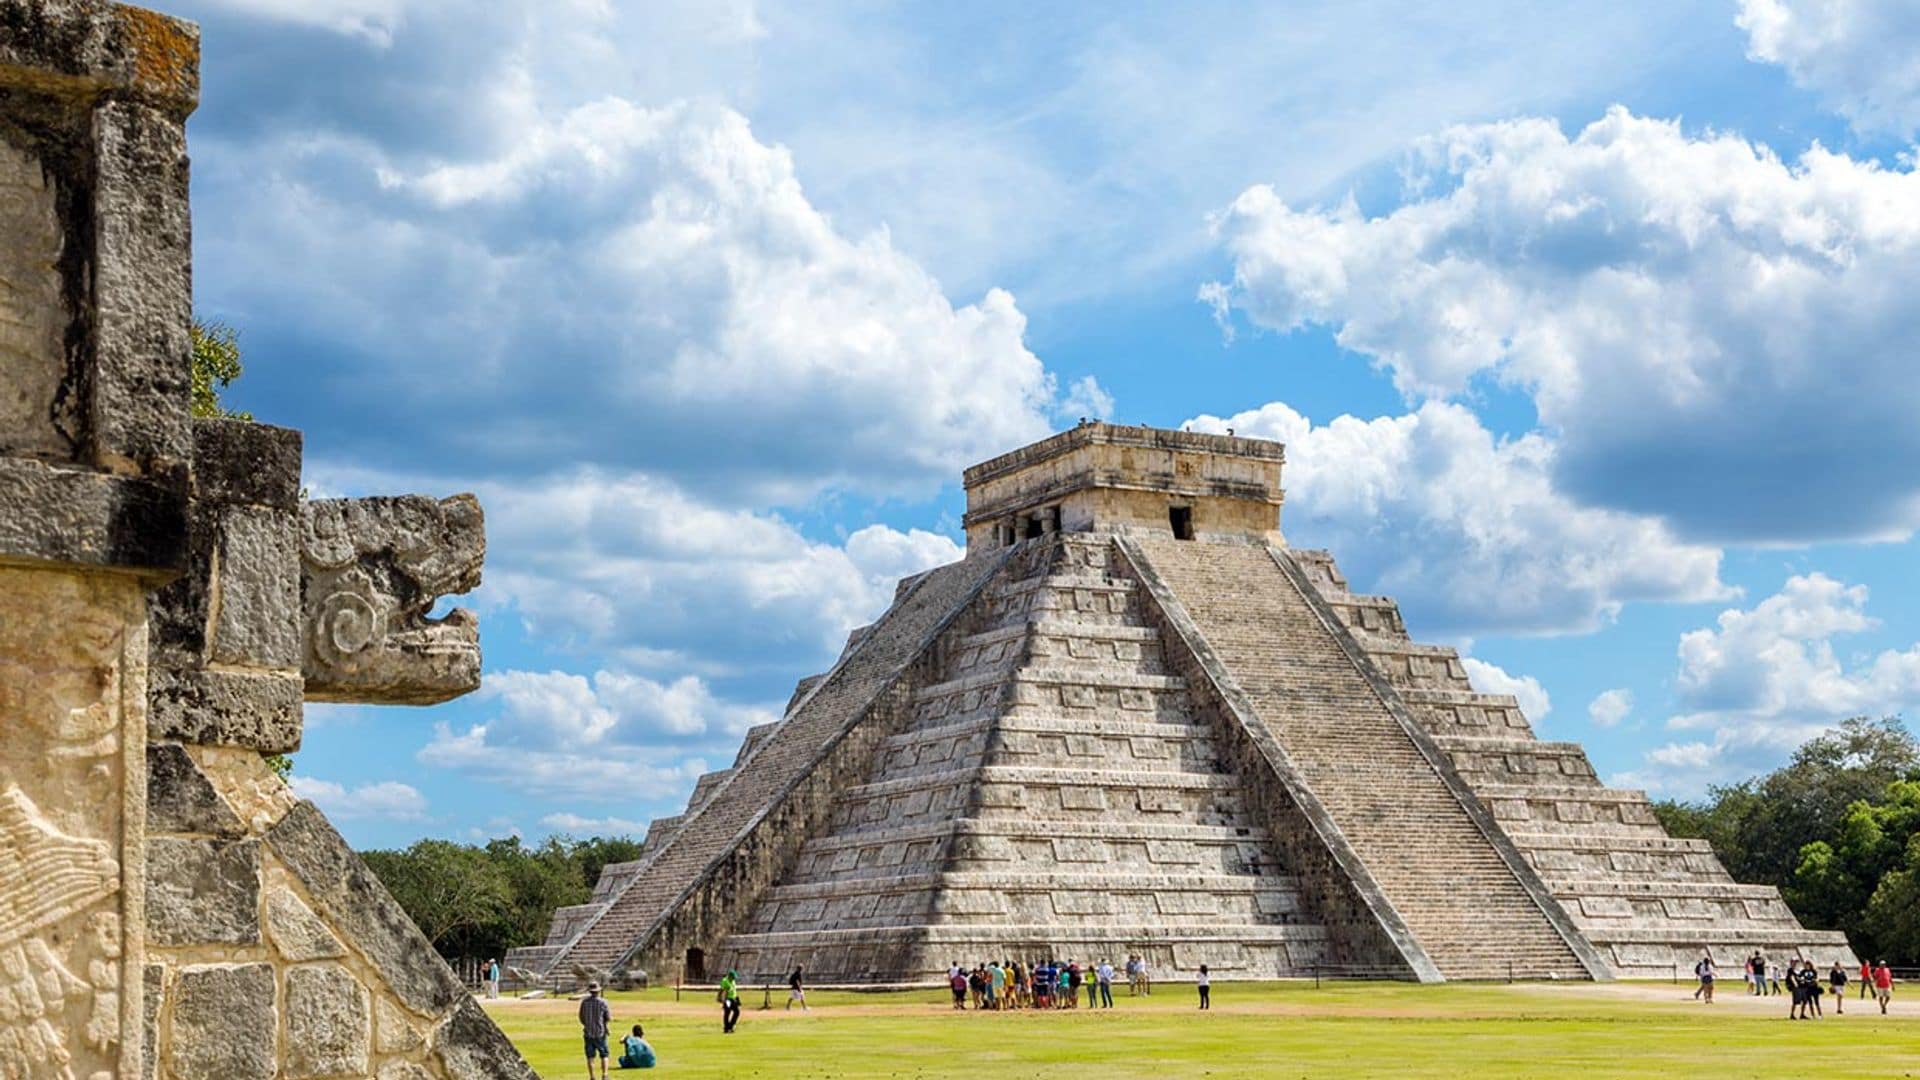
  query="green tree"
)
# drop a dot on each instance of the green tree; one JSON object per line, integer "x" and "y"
{"x": 1894, "y": 911}
{"x": 481, "y": 900}
{"x": 452, "y": 891}
{"x": 1833, "y": 829}
{"x": 216, "y": 364}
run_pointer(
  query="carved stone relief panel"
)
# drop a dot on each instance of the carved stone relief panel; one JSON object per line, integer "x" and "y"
{"x": 72, "y": 797}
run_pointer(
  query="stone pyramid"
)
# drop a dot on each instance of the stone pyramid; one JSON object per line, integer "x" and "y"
{"x": 1132, "y": 720}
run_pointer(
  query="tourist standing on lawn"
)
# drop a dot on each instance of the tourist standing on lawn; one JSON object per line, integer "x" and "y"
{"x": 1883, "y": 985}
{"x": 1146, "y": 976}
{"x": 1704, "y": 970}
{"x": 1758, "y": 967}
{"x": 796, "y": 991}
{"x": 493, "y": 978}
{"x": 1205, "y": 983}
{"x": 1810, "y": 978}
{"x": 958, "y": 983}
{"x": 729, "y": 1001}
{"x": 1106, "y": 984}
{"x": 1866, "y": 979}
{"x": 1837, "y": 980}
{"x": 594, "y": 1018}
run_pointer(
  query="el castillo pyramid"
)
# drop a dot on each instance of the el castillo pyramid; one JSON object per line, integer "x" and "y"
{"x": 1133, "y": 720}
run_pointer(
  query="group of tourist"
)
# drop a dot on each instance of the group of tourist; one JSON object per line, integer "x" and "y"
{"x": 1044, "y": 984}
{"x": 1802, "y": 983}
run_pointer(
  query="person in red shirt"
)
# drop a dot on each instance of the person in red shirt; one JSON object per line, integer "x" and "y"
{"x": 1883, "y": 985}
{"x": 1866, "y": 979}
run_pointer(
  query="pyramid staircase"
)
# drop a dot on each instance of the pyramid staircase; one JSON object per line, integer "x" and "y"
{"x": 1471, "y": 905}
{"x": 1651, "y": 903}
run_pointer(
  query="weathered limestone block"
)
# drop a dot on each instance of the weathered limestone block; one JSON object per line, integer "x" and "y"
{"x": 394, "y": 1033}
{"x": 470, "y": 1047}
{"x": 328, "y": 1024}
{"x": 403, "y": 1070}
{"x": 203, "y": 892}
{"x": 258, "y": 578}
{"x": 142, "y": 285}
{"x": 296, "y": 931}
{"x": 225, "y": 1023}
{"x": 254, "y": 709}
{"x": 180, "y": 798}
{"x": 33, "y": 314}
{"x": 153, "y": 983}
{"x": 240, "y": 462}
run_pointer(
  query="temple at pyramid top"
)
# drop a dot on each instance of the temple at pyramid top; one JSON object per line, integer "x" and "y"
{"x": 1133, "y": 721}
{"x": 1102, "y": 477}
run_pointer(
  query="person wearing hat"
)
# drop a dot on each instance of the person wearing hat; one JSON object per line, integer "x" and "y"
{"x": 729, "y": 1000}
{"x": 595, "y": 1017}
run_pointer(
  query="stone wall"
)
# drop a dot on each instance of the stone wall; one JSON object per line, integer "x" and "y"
{"x": 168, "y": 908}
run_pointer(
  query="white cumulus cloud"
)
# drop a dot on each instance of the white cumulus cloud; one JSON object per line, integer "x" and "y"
{"x": 1494, "y": 679}
{"x": 385, "y": 800}
{"x": 578, "y": 825}
{"x": 1708, "y": 333}
{"x": 1467, "y": 531}
{"x": 1764, "y": 679}
{"x": 614, "y": 736}
{"x": 1609, "y": 707}
{"x": 1862, "y": 57}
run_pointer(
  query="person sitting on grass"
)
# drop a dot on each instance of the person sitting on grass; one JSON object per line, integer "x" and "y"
{"x": 634, "y": 1051}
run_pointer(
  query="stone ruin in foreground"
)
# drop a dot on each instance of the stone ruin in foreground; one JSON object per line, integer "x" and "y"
{"x": 168, "y": 908}
{"x": 1133, "y": 720}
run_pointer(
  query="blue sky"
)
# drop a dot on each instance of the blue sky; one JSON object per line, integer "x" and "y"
{"x": 1589, "y": 328}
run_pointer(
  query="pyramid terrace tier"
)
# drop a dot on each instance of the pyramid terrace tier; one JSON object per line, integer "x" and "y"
{"x": 1581, "y": 808}
{"x": 921, "y": 953}
{"x": 1559, "y": 856}
{"x": 1467, "y": 712}
{"x": 1055, "y": 689}
{"x": 1482, "y": 760}
{"x": 1600, "y": 904}
{"x": 1024, "y": 845}
{"x": 1670, "y": 952}
{"x": 997, "y": 791}
{"x": 1093, "y": 895}
{"x": 1049, "y": 740}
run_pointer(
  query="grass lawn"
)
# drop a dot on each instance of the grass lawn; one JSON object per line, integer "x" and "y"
{"x": 1272, "y": 1029}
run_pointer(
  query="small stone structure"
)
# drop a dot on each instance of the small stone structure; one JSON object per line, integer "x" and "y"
{"x": 168, "y": 908}
{"x": 1133, "y": 720}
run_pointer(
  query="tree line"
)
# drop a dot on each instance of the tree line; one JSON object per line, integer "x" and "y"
{"x": 1837, "y": 829}
{"x": 479, "y": 900}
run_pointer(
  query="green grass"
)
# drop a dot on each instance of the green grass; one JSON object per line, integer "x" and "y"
{"x": 1267, "y": 1030}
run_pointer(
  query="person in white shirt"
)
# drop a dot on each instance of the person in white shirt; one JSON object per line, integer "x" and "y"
{"x": 1206, "y": 985}
{"x": 1105, "y": 974}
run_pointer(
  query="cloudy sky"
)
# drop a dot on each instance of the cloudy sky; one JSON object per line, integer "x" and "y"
{"x": 1589, "y": 327}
